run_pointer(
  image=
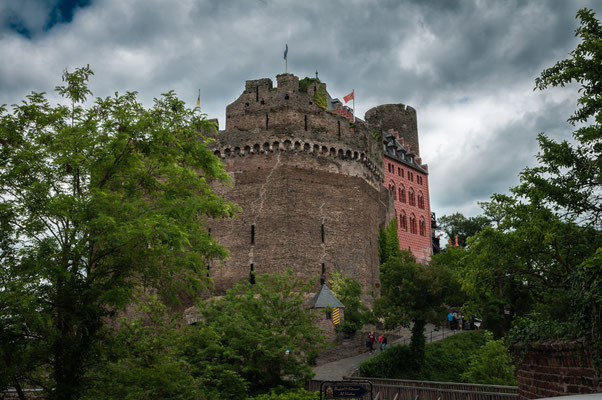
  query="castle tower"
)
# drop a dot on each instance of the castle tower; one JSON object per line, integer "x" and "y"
{"x": 398, "y": 117}
{"x": 310, "y": 186}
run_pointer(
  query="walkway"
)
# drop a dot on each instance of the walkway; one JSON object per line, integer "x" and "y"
{"x": 334, "y": 371}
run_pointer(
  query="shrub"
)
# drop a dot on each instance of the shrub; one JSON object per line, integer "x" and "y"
{"x": 388, "y": 364}
{"x": 445, "y": 360}
{"x": 299, "y": 394}
{"x": 491, "y": 364}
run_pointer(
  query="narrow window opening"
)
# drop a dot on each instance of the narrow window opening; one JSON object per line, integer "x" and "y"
{"x": 267, "y": 122}
{"x": 253, "y": 234}
{"x": 323, "y": 268}
{"x": 322, "y": 232}
{"x": 339, "y": 128}
{"x": 252, "y": 275}
{"x": 256, "y": 93}
{"x": 305, "y": 120}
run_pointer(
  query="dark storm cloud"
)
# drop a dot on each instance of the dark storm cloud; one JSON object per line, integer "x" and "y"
{"x": 29, "y": 18}
{"x": 468, "y": 67}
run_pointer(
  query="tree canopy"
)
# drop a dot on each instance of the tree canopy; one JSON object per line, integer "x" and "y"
{"x": 266, "y": 331}
{"x": 96, "y": 199}
{"x": 540, "y": 256}
{"x": 461, "y": 226}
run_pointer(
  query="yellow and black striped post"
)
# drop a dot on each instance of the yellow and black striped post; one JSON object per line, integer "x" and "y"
{"x": 336, "y": 316}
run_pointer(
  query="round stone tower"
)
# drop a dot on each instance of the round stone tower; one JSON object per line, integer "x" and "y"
{"x": 309, "y": 183}
{"x": 398, "y": 117}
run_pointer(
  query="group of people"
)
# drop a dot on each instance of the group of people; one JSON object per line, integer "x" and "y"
{"x": 371, "y": 339}
{"x": 455, "y": 320}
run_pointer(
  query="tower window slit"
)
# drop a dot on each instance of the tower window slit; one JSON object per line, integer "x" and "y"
{"x": 267, "y": 122}
{"x": 305, "y": 118}
{"x": 323, "y": 268}
{"x": 339, "y": 128}
{"x": 256, "y": 93}
{"x": 322, "y": 232}
{"x": 253, "y": 234}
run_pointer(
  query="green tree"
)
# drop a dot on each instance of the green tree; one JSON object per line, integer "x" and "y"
{"x": 349, "y": 292}
{"x": 388, "y": 242}
{"x": 450, "y": 266}
{"x": 567, "y": 181}
{"x": 458, "y": 224}
{"x": 266, "y": 331}
{"x": 542, "y": 254}
{"x": 411, "y": 294}
{"x": 93, "y": 201}
{"x": 568, "y": 178}
{"x": 154, "y": 355}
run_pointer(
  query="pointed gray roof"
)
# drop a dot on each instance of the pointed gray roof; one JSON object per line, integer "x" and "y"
{"x": 325, "y": 298}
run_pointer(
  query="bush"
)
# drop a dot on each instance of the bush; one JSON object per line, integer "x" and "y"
{"x": 445, "y": 360}
{"x": 388, "y": 364}
{"x": 299, "y": 394}
{"x": 491, "y": 365}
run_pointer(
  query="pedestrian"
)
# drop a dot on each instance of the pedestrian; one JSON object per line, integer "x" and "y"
{"x": 455, "y": 320}
{"x": 384, "y": 342}
{"x": 380, "y": 342}
{"x": 371, "y": 340}
{"x": 450, "y": 318}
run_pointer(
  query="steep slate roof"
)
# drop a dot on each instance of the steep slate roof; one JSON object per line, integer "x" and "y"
{"x": 325, "y": 298}
{"x": 395, "y": 150}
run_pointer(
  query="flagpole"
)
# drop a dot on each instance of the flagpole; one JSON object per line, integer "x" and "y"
{"x": 353, "y": 91}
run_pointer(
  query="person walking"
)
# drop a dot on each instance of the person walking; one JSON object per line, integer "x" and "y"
{"x": 380, "y": 342}
{"x": 384, "y": 345}
{"x": 371, "y": 340}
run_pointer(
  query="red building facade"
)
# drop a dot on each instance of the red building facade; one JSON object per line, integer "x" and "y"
{"x": 407, "y": 178}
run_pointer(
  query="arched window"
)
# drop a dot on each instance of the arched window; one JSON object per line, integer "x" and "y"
{"x": 392, "y": 189}
{"x": 402, "y": 194}
{"x": 411, "y": 198}
{"x": 403, "y": 221}
{"x": 422, "y": 227}
{"x": 413, "y": 224}
{"x": 420, "y": 200}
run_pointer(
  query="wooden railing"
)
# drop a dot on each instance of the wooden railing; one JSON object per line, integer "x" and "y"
{"x": 402, "y": 389}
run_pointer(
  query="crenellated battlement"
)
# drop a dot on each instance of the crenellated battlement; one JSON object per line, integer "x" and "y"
{"x": 371, "y": 170}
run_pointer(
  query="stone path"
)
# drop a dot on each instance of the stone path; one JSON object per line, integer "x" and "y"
{"x": 334, "y": 371}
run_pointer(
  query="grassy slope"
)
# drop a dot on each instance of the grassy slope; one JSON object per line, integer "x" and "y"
{"x": 445, "y": 360}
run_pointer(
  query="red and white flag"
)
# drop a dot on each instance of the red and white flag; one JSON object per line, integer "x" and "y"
{"x": 349, "y": 97}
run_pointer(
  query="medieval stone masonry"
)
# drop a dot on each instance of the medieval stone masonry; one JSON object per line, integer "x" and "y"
{"x": 312, "y": 185}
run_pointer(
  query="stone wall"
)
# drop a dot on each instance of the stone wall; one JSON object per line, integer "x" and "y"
{"x": 555, "y": 369}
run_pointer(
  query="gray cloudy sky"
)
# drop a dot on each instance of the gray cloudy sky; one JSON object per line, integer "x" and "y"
{"x": 467, "y": 66}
